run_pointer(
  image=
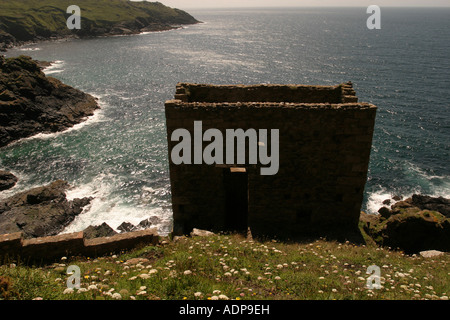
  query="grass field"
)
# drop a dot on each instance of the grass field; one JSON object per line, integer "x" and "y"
{"x": 235, "y": 268}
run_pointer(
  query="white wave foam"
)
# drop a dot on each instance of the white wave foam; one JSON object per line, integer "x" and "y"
{"x": 439, "y": 185}
{"x": 375, "y": 200}
{"x": 29, "y": 49}
{"x": 95, "y": 118}
{"x": 161, "y": 31}
{"x": 435, "y": 186}
{"x": 113, "y": 210}
{"x": 55, "y": 67}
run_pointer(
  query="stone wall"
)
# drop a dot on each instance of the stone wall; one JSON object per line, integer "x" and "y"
{"x": 325, "y": 139}
{"x": 191, "y": 92}
{"x": 72, "y": 244}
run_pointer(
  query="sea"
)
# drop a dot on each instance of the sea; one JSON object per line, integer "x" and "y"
{"x": 119, "y": 155}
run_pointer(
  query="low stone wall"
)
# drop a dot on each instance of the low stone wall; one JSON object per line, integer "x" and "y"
{"x": 72, "y": 244}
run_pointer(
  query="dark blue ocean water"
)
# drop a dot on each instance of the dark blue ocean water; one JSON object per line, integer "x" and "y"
{"x": 119, "y": 155}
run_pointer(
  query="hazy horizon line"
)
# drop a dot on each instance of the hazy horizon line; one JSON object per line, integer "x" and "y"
{"x": 334, "y": 7}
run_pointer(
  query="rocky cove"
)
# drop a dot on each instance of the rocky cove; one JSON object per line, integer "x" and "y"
{"x": 32, "y": 103}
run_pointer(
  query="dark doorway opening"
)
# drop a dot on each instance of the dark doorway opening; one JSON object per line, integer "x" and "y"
{"x": 236, "y": 199}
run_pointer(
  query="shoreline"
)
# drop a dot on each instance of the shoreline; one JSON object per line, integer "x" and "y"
{"x": 72, "y": 37}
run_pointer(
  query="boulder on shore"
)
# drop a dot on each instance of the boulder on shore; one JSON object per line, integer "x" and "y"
{"x": 103, "y": 230}
{"x": 7, "y": 180}
{"x": 126, "y": 227}
{"x": 40, "y": 212}
{"x": 413, "y": 225}
{"x": 144, "y": 224}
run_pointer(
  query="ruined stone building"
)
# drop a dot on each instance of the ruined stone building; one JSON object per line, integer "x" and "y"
{"x": 324, "y": 143}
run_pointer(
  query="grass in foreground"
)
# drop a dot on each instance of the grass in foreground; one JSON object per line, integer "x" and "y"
{"x": 232, "y": 267}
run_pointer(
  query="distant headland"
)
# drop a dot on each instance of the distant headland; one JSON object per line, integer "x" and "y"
{"x": 36, "y": 20}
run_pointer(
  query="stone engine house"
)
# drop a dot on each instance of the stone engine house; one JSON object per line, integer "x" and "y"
{"x": 325, "y": 139}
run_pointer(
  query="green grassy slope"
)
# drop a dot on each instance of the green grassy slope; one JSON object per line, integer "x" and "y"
{"x": 30, "y": 19}
{"x": 235, "y": 268}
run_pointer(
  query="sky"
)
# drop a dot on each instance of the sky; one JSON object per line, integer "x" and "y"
{"x": 186, "y": 4}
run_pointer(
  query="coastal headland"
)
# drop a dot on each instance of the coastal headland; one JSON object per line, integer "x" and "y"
{"x": 34, "y": 20}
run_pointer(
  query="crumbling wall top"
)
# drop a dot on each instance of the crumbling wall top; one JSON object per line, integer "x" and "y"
{"x": 205, "y": 93}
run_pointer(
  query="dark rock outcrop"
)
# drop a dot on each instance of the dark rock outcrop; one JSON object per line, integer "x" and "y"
{"x": 126, "y": 227}
{"x": 40, "y": 212}
{"x": 144, "y": 224}
{"x": 147, "y": 223}
{"x": 103, "y": 230}
{"x": 6, "y": 40}
{"x": 415, "y": 224}
{"x": 7, "y": 180}
{"x": 32, "y": 103}
{"x": 440, "y": 204}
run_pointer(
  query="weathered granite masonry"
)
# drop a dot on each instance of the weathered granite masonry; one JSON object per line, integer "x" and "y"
{"x": 325, "y": 138}
{"x": 71, "y": 244}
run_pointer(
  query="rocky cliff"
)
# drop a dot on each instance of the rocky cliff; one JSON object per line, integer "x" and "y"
{"x": 32, "y": 103}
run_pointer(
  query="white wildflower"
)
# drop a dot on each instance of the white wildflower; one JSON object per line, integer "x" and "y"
{"x": 68, "y": 291}
{"x": 116, "y": 296}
